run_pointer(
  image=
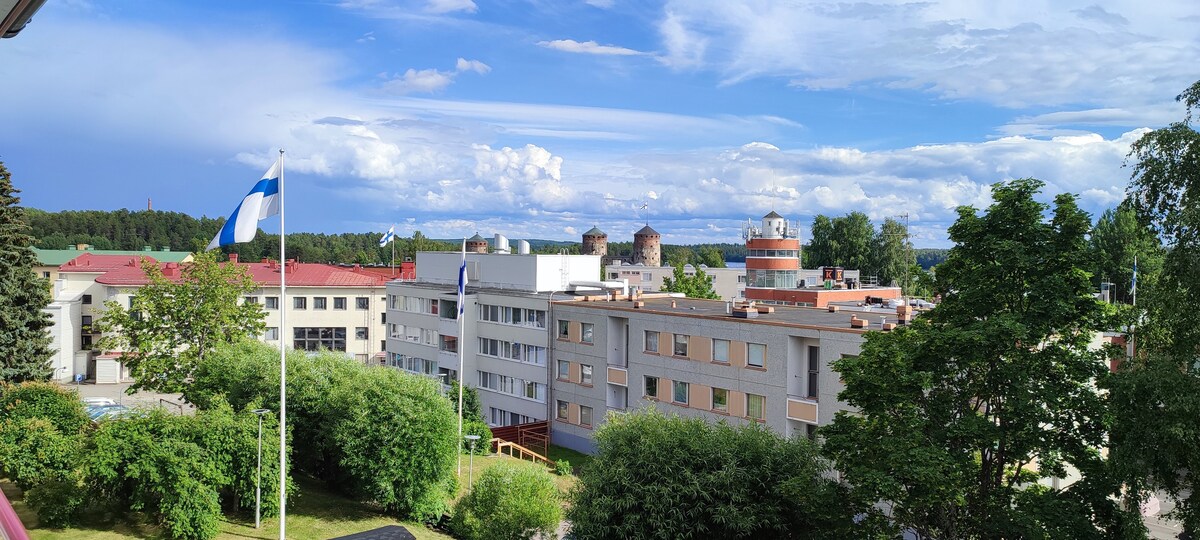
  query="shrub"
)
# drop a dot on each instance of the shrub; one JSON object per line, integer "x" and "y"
{"x": 57, "y": 502}
{"x": 483, "y": 446}
{"x": 687, "y": 478}
{"x": 33, "y": 451}
{"x": 562, "y": 467}
{"x": 43, "y": 400}
{"x": 508, "y": 502}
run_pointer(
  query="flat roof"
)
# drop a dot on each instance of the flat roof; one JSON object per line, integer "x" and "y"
{"x": 799, "y": 317}
{"x": 59, "y": 257}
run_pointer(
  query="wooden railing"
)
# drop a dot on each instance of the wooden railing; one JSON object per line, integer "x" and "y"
{"x": 518, "y": 451}
{"x": 534, "y": 435}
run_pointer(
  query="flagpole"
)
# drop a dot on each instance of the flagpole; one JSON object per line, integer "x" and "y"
{"x": 282, "y": 362}
{"x": 462, "y": 298}
{"x": 393, "y": 241}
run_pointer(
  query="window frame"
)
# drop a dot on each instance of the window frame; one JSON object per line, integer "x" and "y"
{"x": 676, "y": 345}
{"x": 725, "y": 393}
{"x": 320, "y": 302}
{"x": 585, "y": 374}
{"x": 749, "y": 356}
{"x": 361, "y": 332}
{"x": 587, "y": 332}
{"x": 561, "y": 374}
{"x": 362, "y": 303}
{"x": 646, "y": 387}
{"x": 646, "y": 341}
{"x": 299, "y": 302}
{"x": 270, "y": 302}
{"x": 585, "y": 410}
{"x": 564, "y": 329}
{"x": 762, "y": 407}
{"x": 675, "y": 387}
{"x": 339, "y": 300}
{"x": 727, "y": 345}
{"x": 562, "y": 410}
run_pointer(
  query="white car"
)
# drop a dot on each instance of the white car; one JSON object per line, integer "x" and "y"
{"x": 98, "y": 402}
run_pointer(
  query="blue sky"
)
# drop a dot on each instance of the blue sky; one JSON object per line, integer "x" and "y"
{"x": 540, "y": 119}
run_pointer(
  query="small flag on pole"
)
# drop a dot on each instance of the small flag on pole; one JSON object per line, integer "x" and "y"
{"x": 388, "y": 236}
{"x": 462, "y": 282}
{"x": 262, "y": 202}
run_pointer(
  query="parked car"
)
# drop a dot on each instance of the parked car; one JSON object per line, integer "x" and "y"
{"x": 98, "y": 401}
{"x": 108, "y": 411}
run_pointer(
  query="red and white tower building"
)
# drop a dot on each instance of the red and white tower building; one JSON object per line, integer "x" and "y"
{"x": 772, "y": 257}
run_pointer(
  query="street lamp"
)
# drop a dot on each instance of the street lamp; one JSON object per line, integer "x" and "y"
{"x": 471, "y": 467}
{"x": 258, "y": 479}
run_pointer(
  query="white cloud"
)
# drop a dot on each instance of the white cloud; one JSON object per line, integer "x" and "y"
{"x": 588, "y": 47}
{"x": 602, "y": 4}
{"x": 428, "y": 81}
{"x": 449, "y": 6}
{"x": 472, "y": 65}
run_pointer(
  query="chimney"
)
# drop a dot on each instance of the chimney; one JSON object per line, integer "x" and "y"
{"x": 233, "y": 258}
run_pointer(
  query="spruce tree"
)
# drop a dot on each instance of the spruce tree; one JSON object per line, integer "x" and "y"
{"x": 24, "y": 341}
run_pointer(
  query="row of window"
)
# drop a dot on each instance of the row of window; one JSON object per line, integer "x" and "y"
{"x": 778, "y": 279}
{"x": 587, "y": 331}
{"x": 773, "y": 253}
{"x": 529, "y": 354}
{"x": 585, "y": 373}
{"x": 756, "y": 353}
{"x": 512, "y": 386}
{"x": 414, "y": 364}
{"x": 501, "y": 417}
{"x": 447, "y": 309}
{"x": 511, "y": 315}
{"x": 680, "y": 392}
{"x": 315, "y": 338}
{"x": 564, "y": 413}
{"x": 414, "y": 334}
{"x": 318, "y": 302}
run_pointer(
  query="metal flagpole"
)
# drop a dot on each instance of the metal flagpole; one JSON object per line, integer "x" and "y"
{"x": 462, "y": 298}
{"x": 282, "y": 362}
{"x": 393, "y": 241}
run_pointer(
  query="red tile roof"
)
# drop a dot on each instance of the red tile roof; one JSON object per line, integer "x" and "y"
{"x": 91, "y": 262}
{"x": 265, "y": 274}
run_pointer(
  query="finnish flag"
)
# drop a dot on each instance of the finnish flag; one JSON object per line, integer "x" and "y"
{"x": 262, "y": 202}
{"x": 388, "y": 237}
{"x": 462, "y": 282}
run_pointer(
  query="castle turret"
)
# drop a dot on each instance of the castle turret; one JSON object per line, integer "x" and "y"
{"x": 647, "y": 247}
{"x": 595, "y": 242}
{"x": 477, "y": 244}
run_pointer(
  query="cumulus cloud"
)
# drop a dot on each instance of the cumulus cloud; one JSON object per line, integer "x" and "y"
{"x": 588, "y": 47}
{"x": 428, "y": 81}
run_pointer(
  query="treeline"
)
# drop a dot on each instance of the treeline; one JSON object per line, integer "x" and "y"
{"x": 851, "y": 241}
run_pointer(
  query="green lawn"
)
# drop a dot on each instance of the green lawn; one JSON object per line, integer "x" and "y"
{"x": 577, "y": 459}
{"x": 315, "y": 513}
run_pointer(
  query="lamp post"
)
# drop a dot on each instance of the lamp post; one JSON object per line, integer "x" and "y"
{"x": 258, "y": 479}
{"x": 471, "y": 467}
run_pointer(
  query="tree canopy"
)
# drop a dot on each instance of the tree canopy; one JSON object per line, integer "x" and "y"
{"x": 696, "y": 285}
{"x": 24, "y": 342}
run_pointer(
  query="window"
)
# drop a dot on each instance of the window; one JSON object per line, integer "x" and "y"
{"x": 272, "y": 302}
{"x": 87, "y": 298}
{"x": 300, "y": 302}
{"x": 46, "y": 275}
{"x": 586, "y": 334}
{"x": 814, "y": 370}
{"x": 564, "y": 370}
{"x": 311, "y": 339}
{"x": 681, "y": 392}
{"x": 564, "y": 329}
{"x": 249, "y": 300}
{"x": 681, "y": 345}
{"x": 651, "y": 387}
{"x": 585, "y": 416}
{"x": 755, "y": 405}
{"x": 721, "y": 350}
{"x": 720, "y": 399}
{"x": 651, "y": 341}
{"x": 448, "y": 344}
{"x": 562, "y": 410}
{"x": 383, "y": 318}
{"x": 272, "y": 333}
{"x": 360, "y": 332}
{"x": 810, "y": 431}
{"x": 362, "y": 302}
{"x": 585, "y": 374}
{"x": 319, "y": 302}
{"x": 756, "y": 354}
{"x": 339, "y": 302}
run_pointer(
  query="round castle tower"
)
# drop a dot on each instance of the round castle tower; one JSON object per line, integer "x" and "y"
{"x": 477, "y": 244}
{"x": 595, "y": 242}
{"x": 647, "y": 247}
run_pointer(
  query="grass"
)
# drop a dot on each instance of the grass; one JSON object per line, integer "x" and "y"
{"x": 578, "y": 459}
{"x": 314, "y": 513}
{"x": 483, "y": 463}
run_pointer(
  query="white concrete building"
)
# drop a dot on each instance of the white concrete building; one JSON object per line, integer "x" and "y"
{"x": 505, "y": 338}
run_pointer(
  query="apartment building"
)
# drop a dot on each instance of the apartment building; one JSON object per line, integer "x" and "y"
{"x": 699, "y": 358}
{"x": 337, "y": 308}
{"x": 505, "y": 335}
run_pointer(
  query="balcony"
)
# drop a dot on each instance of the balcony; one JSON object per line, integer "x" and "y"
{"x": 618, "y": 376}
{"x": 804, "y": 410}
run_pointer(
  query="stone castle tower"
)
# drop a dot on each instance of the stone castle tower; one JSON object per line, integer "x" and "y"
{"x": 477, "y": 244}
{"x": 647, "y": 247}
{"x": 595, "y": 242}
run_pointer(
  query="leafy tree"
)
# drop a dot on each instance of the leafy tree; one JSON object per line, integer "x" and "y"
{"x": 172, "y": 324}
{"x": 657, "y": 476}
{"x": 892, "y": 255}
{"x": 509, "y": 502}
{"x": 821, "y": 250}
{"x": 712, "y": 257}
{"x": 964, "y": 417}
{"x": 854, "y": 236}
{"x": 48, "y": 401}
{"x": 1156, "y": 396}
{"x": 33, "y": 451}
{"x": 1115, "y": 242}
{"x": 472, "y": 407}
{"x": 24, "y": 343}
{"x": 697, "y": 285}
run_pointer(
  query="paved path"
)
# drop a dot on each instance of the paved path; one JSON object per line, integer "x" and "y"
{"x": 143, "y": 399}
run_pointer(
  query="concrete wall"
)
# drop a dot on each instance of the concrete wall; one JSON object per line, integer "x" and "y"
{"x": 531, "y": 273}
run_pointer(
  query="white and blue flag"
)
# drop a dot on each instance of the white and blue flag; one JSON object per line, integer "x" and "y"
{"x": 462, "y": 282}
{"x": 388, "y": 237}
{"x": 262, "y": 202}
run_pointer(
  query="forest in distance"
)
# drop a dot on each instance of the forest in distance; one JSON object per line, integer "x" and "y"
{"x": 135, "y": 230}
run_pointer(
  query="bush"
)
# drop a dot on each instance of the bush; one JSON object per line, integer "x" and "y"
{"x": 483, "y": 446}
{"x": 57, "y": 502}
{"x": 562, "y": 467}
{"x": 687, "y": 478}
{"x": 60, "y": 407}
{"x": 508, "y": 502}
{"x": 33, "y": 451}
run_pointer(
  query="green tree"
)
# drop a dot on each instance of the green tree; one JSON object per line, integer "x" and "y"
{"x": 821, "y": 250}
{"x": 1156, "y": 395}
{"x": 24, "y": 343}
{"x": 657, "y": 476}
{"x": 1116, "y": 241}
{"x": 854, "y": 236}
{"x": 33, "y": 451}
{"x": 172, "y": 323}
{"x": 964, "y": 417}
{"x": 47, "y": 401}
{"x": 892, "y": 255}
{"x": 712, "y": 257}
{"x": 697, "y": 285}
{"x": 509, "y": 502}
